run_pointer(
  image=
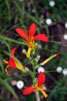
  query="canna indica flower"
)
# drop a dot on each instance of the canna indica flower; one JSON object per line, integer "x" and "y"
{"x": 40, "y": 82}
{"x": 13, "y": 62}
{"x": 30, "y": 37}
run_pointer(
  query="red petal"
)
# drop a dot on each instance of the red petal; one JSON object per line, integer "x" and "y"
{"x": 11, "y": 63}
{"x": 32, "y": 30}
{"x": 45, "y": 90}
{"x": 28, "y": 90}
{"x": 57, "y": 54}
{"x": 41, "y": 79}
{"x": 42, "y": 37}
{"x": 22, "y": 33}
{"x": 12, "y": 52}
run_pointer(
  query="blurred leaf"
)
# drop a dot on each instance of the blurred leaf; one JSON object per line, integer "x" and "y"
{"x": 1, "y": 64}
{"x": 12, "y": 40}
{"x": 29, "y": 98}
{"x": 9, "y": 88}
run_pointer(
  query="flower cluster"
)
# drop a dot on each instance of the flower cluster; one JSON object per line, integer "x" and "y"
{"x": 60, "y": 70}
{"x": 15, "y": 63}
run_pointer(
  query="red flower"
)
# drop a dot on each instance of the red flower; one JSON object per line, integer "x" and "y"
{"x": 40, "y": 82}
{"x": 30, "y": 37}
{"x": 13, "y": 63}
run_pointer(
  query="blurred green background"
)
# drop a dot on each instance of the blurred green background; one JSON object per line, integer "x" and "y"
{"x": 22, "y": 13}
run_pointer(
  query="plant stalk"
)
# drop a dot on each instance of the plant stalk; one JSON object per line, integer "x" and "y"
{"x": 37, "y": 96}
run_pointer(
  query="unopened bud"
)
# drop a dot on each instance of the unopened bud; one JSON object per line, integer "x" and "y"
{"x": 26, "y": 69}
{"x": 24, "y": 51}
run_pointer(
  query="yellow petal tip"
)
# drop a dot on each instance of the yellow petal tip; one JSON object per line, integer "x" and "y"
{"x": 28, "y": 53}
{"x": 46, "y": 96}
{"x": 27, "y": 56}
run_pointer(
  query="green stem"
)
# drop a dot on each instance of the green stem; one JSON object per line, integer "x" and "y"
{"x": 33, "y": 75}
{"x": 37, "y": 96}
{"x": 47, "y": 31}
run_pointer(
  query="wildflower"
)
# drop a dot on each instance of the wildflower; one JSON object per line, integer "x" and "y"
{"x": 20, "y": 84}
{"x": 66, "y": 25}
{"x": 65, "y": 71}
{"x": 59, "y": 69}
{"x": 48, "y": 59}
{"x": 40, "y": 82}
{"x": 13, "y": 82}
{"x": 52, "y": 3}
{"x": 41, "y": 69}
{"x": 30, "y": 37}
{"x": 48, "y": 21}
{"x": 13, "y": 62}
{"x": 65, "y": 36}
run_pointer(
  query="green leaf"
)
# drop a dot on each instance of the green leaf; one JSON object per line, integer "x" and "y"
{"x": 9, "y": 39}
{"x": 1, "y": 64}
{"x": 9, "y": 88}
